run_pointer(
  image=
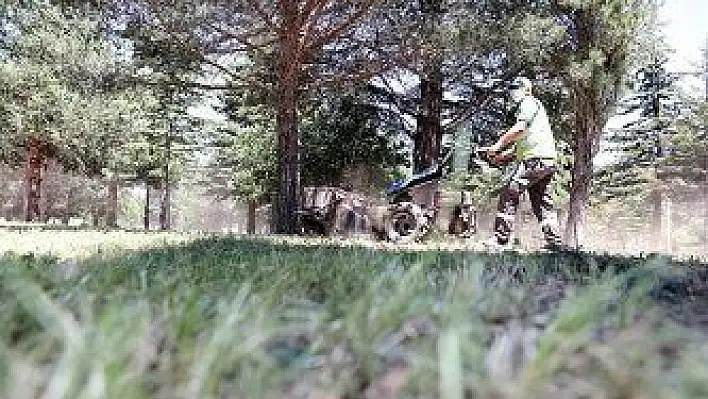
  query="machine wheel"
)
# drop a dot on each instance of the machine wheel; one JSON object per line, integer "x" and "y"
{"x": 312, "y": 223}
{"x": 406, "y": 223}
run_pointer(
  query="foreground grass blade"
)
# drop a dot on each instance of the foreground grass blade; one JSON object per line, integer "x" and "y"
{"x": 450, "y": 365}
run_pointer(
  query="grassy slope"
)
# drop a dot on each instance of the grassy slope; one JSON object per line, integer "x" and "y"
{"x": 235, "y": 318}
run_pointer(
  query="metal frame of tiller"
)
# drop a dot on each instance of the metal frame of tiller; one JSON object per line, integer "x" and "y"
{"x": 407, "y": 220}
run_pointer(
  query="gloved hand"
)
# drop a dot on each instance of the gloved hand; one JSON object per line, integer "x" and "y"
{"x": 498, "y": 158}
{"x": 495, "y": 155}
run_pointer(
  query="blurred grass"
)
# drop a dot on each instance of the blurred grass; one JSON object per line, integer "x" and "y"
{"x": 230, "y": 317}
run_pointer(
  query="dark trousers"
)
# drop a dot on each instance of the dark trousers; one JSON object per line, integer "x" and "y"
{"x": 534, "y": 175}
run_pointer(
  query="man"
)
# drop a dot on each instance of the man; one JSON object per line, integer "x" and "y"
{"x": 534, "y": 155}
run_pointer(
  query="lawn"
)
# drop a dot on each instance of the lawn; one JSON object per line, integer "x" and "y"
{"x": 134, "y": 315}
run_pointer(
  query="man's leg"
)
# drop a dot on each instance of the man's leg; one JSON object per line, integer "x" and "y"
{"x": 542, "y": 205}
{"x": 508, "y": 206}
{"x": 506, "y": 213}
{"x": 535, "y": 196}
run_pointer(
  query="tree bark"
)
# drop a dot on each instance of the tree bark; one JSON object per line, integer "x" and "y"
{"x": 428, "y": 137}
{"x": 251, "y": 217}
{"x": 69, "y": 205}
{"x": 165, "y": 203}
{"x": 35, "y": 159}
{"x": 667, "y": 226}
{"x": 656, "y": 225}
{"x": 146, "y": 211}
{"x": 288, "y": 157}
{"x": 288, "y": 160}
{"x": 289, "y": 66}
{"x": 586, "y": 129}
{"x": 112, "y": 211}
{"x": 429, "y": 133}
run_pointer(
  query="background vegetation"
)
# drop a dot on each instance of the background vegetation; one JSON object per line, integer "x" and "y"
{"x": 209, "y": 115}
{"x": 105, "y": 102}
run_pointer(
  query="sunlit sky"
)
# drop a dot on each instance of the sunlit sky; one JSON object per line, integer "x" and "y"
{"x": 686, "y": 31}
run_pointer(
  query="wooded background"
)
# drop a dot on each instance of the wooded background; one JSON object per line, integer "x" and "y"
{"x": 189, "y": 114}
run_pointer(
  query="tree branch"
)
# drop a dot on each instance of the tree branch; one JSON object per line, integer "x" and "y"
{"x": 318, "y": 41}
{"x": 313, "y": 11}
{"x": 243, "y": 38}
{"x": 264, "y": 16}
{"x": 218, "y": 66}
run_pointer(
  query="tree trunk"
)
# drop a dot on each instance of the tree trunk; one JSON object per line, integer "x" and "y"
{"x": 146, "y": 213}
{"x": 251, "y": 217}
{"x": 165, "y": 209}
{"x": 286, "y": 126}
{"x": 288, "y": 160}
{"x": 429, "y": 133}
{"x": 656, "y": 228}
{"x": 165, "y": 204}
{"x": 428, "y": 138}
{"x": 35, "y": 159}
{"x": 667, "y": 226}
{"x": 705, "y": 210}
{"x": 112, "y": 211}
{"x": 581, "y": 178}
{"x": 69, "y": 205}
{"x": 705, "y": 156}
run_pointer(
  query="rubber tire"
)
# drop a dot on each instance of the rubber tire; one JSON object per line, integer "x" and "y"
{"x": 412, "y": 215}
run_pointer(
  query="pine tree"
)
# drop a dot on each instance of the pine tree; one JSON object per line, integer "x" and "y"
{"x": 642, "y": 142}
{"x": 640, "y": 174}
{"x": 592, "y": 58}
{"x": 61, "y": 96}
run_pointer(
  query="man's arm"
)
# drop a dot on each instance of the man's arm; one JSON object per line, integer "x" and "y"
{"x": 516, "y": 132}
{"x": 527, "y": 111}
{"x": 504, "y": 156}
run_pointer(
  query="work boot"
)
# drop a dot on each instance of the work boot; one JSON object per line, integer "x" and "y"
{"x": 556, "y": 246}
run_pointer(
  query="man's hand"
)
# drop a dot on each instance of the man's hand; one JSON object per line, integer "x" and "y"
{"x": 496, "y": 155}
{"x": 497, "y": 158}
{"x": 501, "y": 157}
{"x": 495, "y": 149}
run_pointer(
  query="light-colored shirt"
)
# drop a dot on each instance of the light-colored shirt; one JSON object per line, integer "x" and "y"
{"x": 538, "y": 141}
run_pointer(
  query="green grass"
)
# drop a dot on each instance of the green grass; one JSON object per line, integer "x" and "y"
{"x": 232, "y": 317}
